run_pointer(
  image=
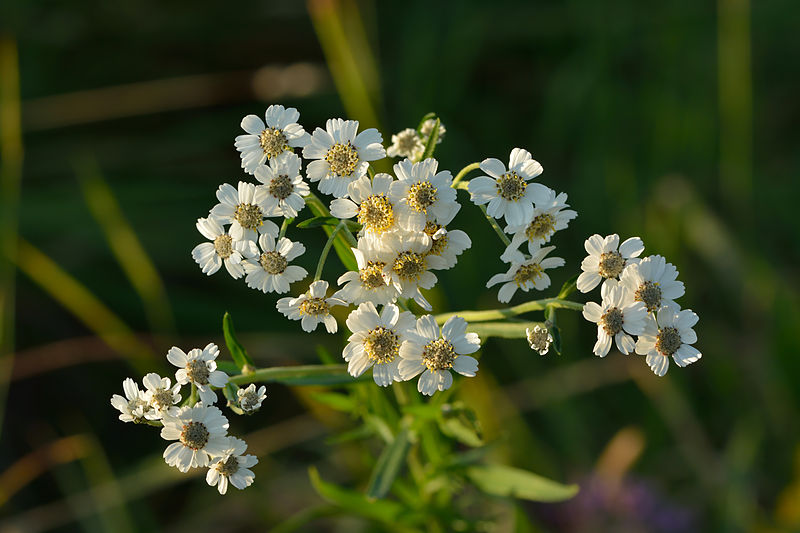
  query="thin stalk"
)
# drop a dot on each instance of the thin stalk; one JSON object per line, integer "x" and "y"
{"x": 324, "y": 255}
{"x": 284, "y": 226}
{"x": 500, "y": 314}
{"x": 493, "y": 223}
{"x": 464, "y": 171}
{"x": 193, "y": 396}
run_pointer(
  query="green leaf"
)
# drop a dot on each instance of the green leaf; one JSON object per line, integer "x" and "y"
{"x": 229, "y": 367}
{"x": 301, "y": 375}
{"x": 568, "y": 287}
{"x": 336, "y": 400}
{"x": 316, "y": 222}
{"x": 389, "y": 465}
{"x": 230, "y": 391}
{"x": 341, "y": 243}
{"x": 500, "y": 480}
{"x": 460, "y": 423}
{"x": 555, "y": 331}
{"x": 431, "y": 146}
{"x": 236, "y": 349}
{"x": 384, "y": 511}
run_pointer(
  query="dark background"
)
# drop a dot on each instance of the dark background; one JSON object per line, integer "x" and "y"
{"x": 674, "y": 121}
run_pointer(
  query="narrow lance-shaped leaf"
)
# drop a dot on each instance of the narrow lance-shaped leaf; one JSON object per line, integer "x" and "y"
{"x": 569, "y": 287}
{"x": 389, "y": 465}
{"x": 500, "y": 480}
{"x": 239, "y": 354}
{"x": 301, "y": 375}
{"x": 431, "y": 146}
{"x": 383, "y": 510}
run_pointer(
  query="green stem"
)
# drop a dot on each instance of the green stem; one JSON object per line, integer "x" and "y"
{"x": 324, "y": 255}
{"x": 500, "y": 314}
{"x": 464, "y": 171}
{"x": 286, "y": 223}
{"x": 193, "y": 396}
{"x": 297, "y": 374}
{"x": 493, "y": 223}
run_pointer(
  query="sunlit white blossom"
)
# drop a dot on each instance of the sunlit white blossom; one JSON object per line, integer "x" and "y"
{"x": 407, "y": 263}
{"x": 134, "y": 406}
{"x": 617, "y": 318}
{"x": 199, "y": 368}
{"x": 549, "y": 216}
{"x": 422, "y": 194}
{"x": 245, "y": 209}
{"x": 284, "y": 185}
{"x": 539, "y": 339}
{"x": 653, "y": 281}
{"x": 607, "y": 259}
{"x": 162, "y": 397}
{"x": 270, "y": 271}
{"x": 372, "y": 282}
{"x": 312, "y": 307}
{"x": 281, "y": 133}
{"x": 369, "y": 202}
{"x": 250, "y": 398}
{"x": 200, "y": 432}
{"x": 406, "y": 143}
{"x": 525, "y": 274}
{"x": 222, "y": 249}
{"x": 672, "y": 336}
{"x": 232, "y": 467}
{"x": 446, "y": 244}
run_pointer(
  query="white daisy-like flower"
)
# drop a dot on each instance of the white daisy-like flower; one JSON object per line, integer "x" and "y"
{"x": 369, "y": 201}
{"x": 312, "y": 307}
{"x": 507, "y": 192}
{"x": 284, "y": 185}
{"x": 134, "y": 406}
{"x": 270, "y": 270}
{"x": 671, "y": 336}
{"x": 434, "y": 354}
{"x": 539, "y": 339}
{"x": 162, "y": 397}
{"x": 447, "y": 245}
{"x": 281, "y": 133}
{"x": 406, "y": 143}
{"x": 525, "y": 274}
{"x": 233, "y": 467}
{"x": 245, "y": 210}
{"x": 421, "y": 194}
{"x": 200, "y": 432}
{"x": 617, "y": 318}
{"x": 607, "y": 259}
{"x": 653, "y": 281}
{"x": 200, "y": 368}
{"x": 222, "y": 249}
{"x": 341, "y": 155}
{"x": 376, "y": 341}
{"x": 549, "y": 217}
{"x": 372, "y": 283}
{"x": 427, "y": 128}
{"x": 408, "y": 265}
{"x": 250, "y": 398}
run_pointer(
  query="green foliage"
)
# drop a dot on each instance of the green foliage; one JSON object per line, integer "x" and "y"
{"x": 238, "y": 352}
{"x": 434, "y": 137}
{"x": 499, "y": 480}
{"x": 389, "y": 465}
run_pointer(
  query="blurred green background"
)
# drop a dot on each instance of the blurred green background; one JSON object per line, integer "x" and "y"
{"x": 675, "y": 121}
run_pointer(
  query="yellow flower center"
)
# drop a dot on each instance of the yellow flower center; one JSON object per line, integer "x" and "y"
{"x": 273, "y": 142}
{"x": 511, "y": 186}
{"x": 342, "y": 158}
{"x": 438, "y": 355}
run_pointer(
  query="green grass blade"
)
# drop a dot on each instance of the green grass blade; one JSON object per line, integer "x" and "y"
{"x": 389, "y": 465}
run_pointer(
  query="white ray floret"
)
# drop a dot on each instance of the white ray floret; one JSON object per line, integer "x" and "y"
{"x": 199, "y": 368}
{"x": 507, "y": 192}
{"x": 341, "y": 155}
{"x": 525, "y": 274}
{"x": 232, "y": 467}
{"x": 607, "y": 259}
{"x": 270, "y": 270}
{"x": 312, "y": 308}
{"x": 376, "y": 341}
{"x": 422, "y": 194}
{"x": 284, "y": 185}
{"x": 617, "y": 318}
{"x": 134, "y": 406}
{"x": 372, "y": 282}
{"x": 263, "y": 141}
{"x": 539, "y": 339}
{"x": 672, "y": 336}
{"x": 433, "y": 353}
{"x": 653, "y": 281}
{"x": 250, "y": 398}
{"x": 368, "y": 201}
{"x": 200, "y": 432}
{"x": 447, "y": 245}
{"x": 406, "y": 143}
{"x": 408, "y": 265}
{"x": 245, "y": 209}
{"x": 549, "y": 217}
{"x": 222, "y": 249}
{"x": 162, "y": 397}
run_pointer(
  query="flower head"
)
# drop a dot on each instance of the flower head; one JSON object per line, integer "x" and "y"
{"x": 250, "y": 398}
{"x": 223, "y": 249}
{"x": 446, "y": 245}
{"x": 507, "y": 192}
{"x": 312, "y": 308}
{"x": 280, "y": 134}
{"x": 232, "y": 467}
{"x": 427, "y": 128}
{"x": 376, "y": 341}
{"x": 548, "y": 217}
{"x": 341, "y": 156}
{"x": 134, "y": 406}
{"x": 617, "y": 318}
{"x": 162, "y": 398}
{"x": 284, "y": 185}
{"x": 199, "y": 368}
{"x": 200, "y": 432}
{"x": 408, "y": 265}
{"x": 270, "y": 271}
{"x": 670, "y": 335}
{"x": 539, "y": 339}
{"x": 607, "y": 259}
{"x": 406, "y": 143}
{"x": 525, "y": 274}
{"x": 245, "y": 209}
{"x": 422, "y": 194}
{"x": 369, "y": 201}
{"x": 434, "y": 353}
{"x": 372, "y": 282}
{"x": 653, "y": 282}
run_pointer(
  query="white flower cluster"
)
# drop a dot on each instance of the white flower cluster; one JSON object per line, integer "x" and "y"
{"x": 638, "y": 298}
{"x": 411, "y": 142}
{"x": 200, "y": 429}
